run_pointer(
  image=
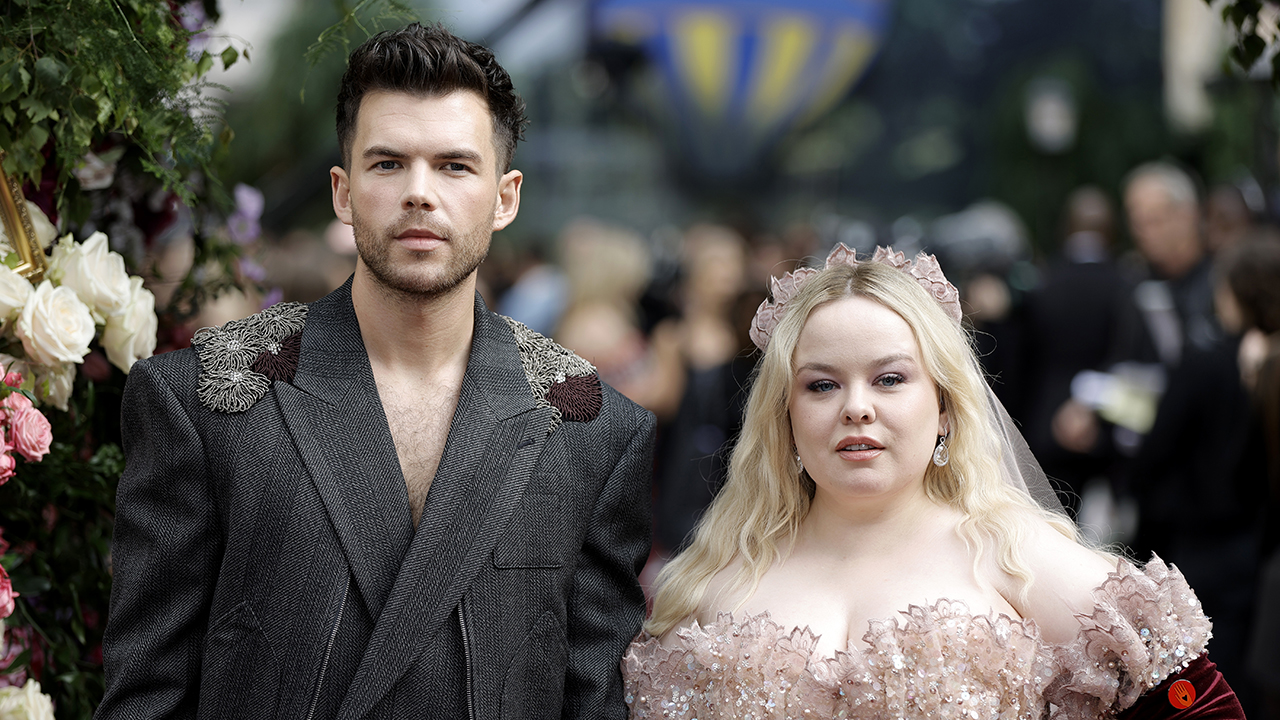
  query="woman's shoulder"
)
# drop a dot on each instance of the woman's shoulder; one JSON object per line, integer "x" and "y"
{"x": 1065, "y": 575}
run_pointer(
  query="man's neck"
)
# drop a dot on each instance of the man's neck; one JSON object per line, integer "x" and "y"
{"x": 404, "y": 332}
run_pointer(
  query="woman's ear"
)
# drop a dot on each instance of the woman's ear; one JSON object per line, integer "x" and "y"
{"x": 944, "y": 423}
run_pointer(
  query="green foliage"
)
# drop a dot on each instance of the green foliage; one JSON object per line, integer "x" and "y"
{"x": 57, "y": 515}
{"x": 371, "y": 13}
{"x": 73, "y": 74}
{"x": 1251, "y": 41}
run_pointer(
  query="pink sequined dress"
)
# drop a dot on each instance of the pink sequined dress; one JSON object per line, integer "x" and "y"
{"x": 936, "y": 663}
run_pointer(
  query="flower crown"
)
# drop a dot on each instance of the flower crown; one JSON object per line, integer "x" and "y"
{"x": 924, "y": 269}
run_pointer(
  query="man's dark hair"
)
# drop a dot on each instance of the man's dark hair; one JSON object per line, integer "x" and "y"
{"x": 430, "y": 61}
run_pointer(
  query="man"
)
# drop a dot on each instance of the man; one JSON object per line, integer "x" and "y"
{"x": 1164, "y": 219}
{"x": 303, "y": 532}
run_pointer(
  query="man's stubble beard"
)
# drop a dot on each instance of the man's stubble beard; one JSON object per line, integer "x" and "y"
{"x": 468, "y": 251}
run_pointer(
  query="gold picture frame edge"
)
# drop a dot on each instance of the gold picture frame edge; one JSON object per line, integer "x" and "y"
{"x": 19, "y": 228}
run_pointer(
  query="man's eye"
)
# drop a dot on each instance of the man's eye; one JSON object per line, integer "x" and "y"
{"x": 387, "y": 165}
{"x": 457, "y": 167}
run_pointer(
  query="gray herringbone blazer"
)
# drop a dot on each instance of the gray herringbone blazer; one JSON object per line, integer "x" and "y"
{"x": 265, "y": 565}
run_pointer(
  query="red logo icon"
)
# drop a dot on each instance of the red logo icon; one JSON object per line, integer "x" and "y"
{"x": 1182, "y": 694}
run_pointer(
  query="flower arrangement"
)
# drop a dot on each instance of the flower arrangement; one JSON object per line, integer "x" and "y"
{"x": 86, "y": 294}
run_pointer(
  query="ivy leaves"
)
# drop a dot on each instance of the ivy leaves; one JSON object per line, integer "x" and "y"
{"x": 105, "y": 68}
{"x": 1252, "y": 37}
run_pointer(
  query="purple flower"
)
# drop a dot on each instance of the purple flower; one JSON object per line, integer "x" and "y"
{"x": 252, "y": 270}
{"x": 192, "y": 16}
{"x": 249, "y": 201}
{"x": 243, "y": 229}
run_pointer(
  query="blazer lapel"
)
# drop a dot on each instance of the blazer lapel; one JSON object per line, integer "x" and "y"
{"x": 338, "y": 425}
{"x": 495, "y": 438}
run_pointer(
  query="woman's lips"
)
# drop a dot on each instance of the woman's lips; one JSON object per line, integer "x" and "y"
{"x": 859, "y": 448}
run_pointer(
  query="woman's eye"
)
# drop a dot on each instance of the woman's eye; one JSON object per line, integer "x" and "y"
{"x": 822, "y": 386}
{"x": 891, "y": 380}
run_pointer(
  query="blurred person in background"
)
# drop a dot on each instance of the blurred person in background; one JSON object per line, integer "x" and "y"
{"x": 712, "y": 330}
{"x": 1227, "y": 218}
{"x": 607, "y": 269}
{"x": 1081, "y": 317}
{"x": 1248, "y": 298}
{"x": 539, "y": 293}
{"x": 1164, "y": 219}
{"x": 306, "y": 268}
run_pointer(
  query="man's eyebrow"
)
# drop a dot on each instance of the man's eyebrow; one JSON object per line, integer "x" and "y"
{"x": 471, "y": 155}
{"x": 380, "y": 151}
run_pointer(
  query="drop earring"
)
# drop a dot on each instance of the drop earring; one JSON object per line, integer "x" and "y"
{"x": 941, "y": 455}
{"x": 799, "y": 464}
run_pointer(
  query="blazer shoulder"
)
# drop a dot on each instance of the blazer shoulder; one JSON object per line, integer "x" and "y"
{"x": 239, "y": 360}
{"x": 558, "y": 378}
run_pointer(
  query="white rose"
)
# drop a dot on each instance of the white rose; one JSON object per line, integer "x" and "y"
{"x": 25, "y": 704}
{"x": 95, "y": 273}
{"x": 131, "y": 335}
{"x": 45, "y": 231}
{"x": 55, "y": 326}
{"x": 63, "y": 251}
{"x": 15, "y": 290}
{"x": 53, "y": 384}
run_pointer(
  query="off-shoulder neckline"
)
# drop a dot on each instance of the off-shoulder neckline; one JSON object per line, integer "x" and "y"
{"x": 915, "y": 614}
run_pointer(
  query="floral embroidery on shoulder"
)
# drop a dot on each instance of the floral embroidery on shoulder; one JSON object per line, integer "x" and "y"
{"x": 558, "y": 378}
{"x": 1147, "y": 625}
{"x": 240, "y": 360}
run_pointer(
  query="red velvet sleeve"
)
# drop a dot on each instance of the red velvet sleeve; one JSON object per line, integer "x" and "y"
{"x": 1212, "y": 699}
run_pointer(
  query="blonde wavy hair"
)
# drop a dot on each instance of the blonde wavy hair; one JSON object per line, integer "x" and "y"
{"x": 758, "y": 512}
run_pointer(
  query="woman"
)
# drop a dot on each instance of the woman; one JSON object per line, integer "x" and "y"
{"x": 874, "y": 477}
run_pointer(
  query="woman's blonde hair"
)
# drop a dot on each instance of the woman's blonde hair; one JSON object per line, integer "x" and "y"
{"x": 757, "y": 513}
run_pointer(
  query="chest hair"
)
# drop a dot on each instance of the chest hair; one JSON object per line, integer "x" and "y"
{"x": 419, "y": 419}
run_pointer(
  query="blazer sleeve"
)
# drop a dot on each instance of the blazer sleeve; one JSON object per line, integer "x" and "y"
{"x": 606, "y": 605}
{"x": 165, "y": 554}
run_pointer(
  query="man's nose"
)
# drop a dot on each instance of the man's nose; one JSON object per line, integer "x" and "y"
{"x": 419, "y": 190}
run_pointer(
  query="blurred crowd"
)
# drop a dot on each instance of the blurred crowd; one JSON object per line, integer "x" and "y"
{"x": 1145, "y": 375}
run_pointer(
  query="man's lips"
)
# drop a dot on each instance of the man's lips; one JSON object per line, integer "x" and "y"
{"x": 420, "y": 240}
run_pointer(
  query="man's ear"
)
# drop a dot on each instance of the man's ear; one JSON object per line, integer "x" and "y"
{"x": 341, "y": 193}
{"x": 508, "y": 199}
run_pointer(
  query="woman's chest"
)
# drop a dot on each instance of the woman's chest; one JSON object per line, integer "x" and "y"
{"x": 932, "y": 662}
{"x": 840, "y": 607}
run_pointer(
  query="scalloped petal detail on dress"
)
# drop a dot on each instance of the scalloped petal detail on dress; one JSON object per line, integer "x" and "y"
{"x": 939, "y": 662}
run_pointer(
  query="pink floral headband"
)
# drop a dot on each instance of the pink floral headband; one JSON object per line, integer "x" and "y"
{"x": 924, "y": 269}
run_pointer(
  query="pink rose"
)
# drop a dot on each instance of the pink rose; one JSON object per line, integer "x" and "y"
{"x": 6, "y": 594}
{"x": 13, "y": 403}
{"x": 13, "y": 379}
{"x": 31, "y": 433}
{"x": 7, "y": 466}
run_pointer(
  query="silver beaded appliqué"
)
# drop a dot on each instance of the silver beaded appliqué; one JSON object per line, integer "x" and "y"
{"x": 546, "y": 363}
{"x": 227, "y": 384}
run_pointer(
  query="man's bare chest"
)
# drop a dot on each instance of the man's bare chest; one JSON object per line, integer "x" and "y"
{"x": 419, "y": 424}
